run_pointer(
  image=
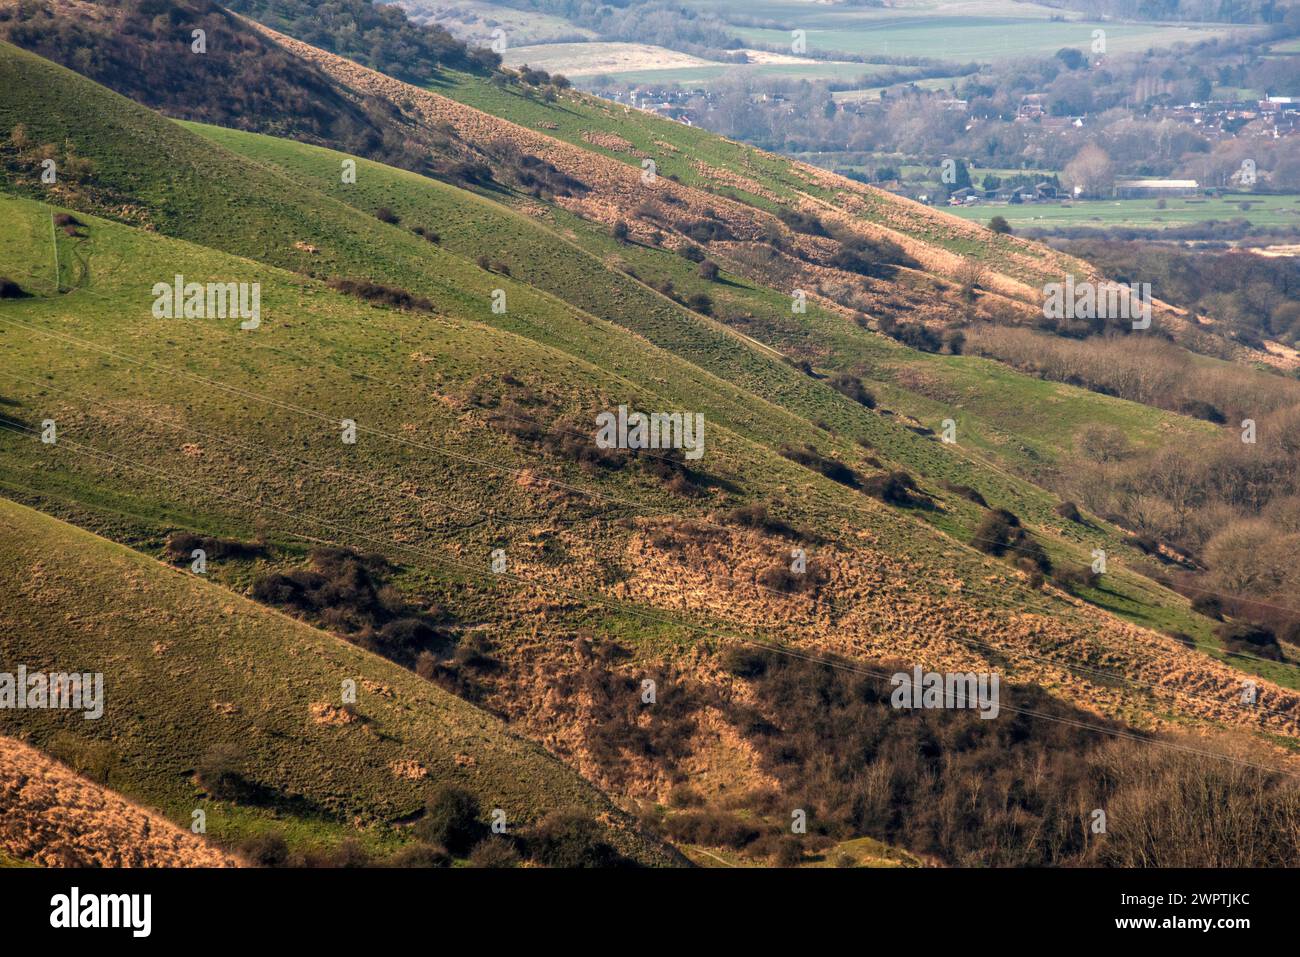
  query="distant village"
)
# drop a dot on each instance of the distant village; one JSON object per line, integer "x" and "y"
{"x": 1275, "y": 117}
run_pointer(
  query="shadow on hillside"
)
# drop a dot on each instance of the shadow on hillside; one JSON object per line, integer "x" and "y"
{"x": 10, "y": 423}
{"x": 258, "y": 795}
{"x": 1116, "y": 605}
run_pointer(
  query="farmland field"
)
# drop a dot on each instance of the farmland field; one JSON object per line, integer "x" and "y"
{"x": 964, "y": 39}
{"x": 976, "y": 31}
{"x": 1145, "y": 213}
{"x": 873, "y": 92}
{"x": 474, "y": 21}
{"x": 705, "y": 74}
{"x": 645, "y": 63}
{"x": 579, "y": 59}
{"x": 778, "y": 9}
{"x": 1286, "y": 46}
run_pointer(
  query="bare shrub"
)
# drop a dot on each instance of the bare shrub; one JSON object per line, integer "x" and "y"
{"x": 220, "y": 771}
{"x": 494, "y": 852}
{"x": 451, "y": 820}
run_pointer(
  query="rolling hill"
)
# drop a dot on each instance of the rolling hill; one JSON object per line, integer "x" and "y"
{"x": 189, "y": 666}
{"x": 472, "y": 430}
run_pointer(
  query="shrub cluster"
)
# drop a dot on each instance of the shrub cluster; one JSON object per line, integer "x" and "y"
{"x": 1000, "y": 533}
{"x": 1247, "y": 638}
{"x": 833, "y": 469}
{"x": 11, "y": 290}
{"x": 533, "y": 174}
{"x": 379, "y": 294}
{"x": 347, "y": 593}
{"x": 895, "y": 488}
{"x": 180, "y": 547}
{"x": 1015, "y": 791}
{"x": 851, "y": 386}
{"x": 1068, "y": 511}
{"x": 966, "y": 492}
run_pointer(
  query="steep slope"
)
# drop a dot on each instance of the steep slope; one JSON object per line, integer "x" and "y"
{"x": 255, "y": 211}
{"x": 432, "y": 129}
{"x": 475, "y": 431}
{"x": 822, "y": 337}
{"x": 543, "y": 245}
{"x": 53, "y": 817}
{"x": 188, "y": 666}
{"x": 713, "y": 405}
{"x": 124, "y": 385}
{"x": 618, "y": 191}
{"x": 861, "y": 236}
{"x": 197, "y": 60}
{"x": 1006, "y": 420}
{"x": 1007, "y": 272}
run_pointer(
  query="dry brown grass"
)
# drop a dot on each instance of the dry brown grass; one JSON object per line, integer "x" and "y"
{"x": 616, "y": 192}
{"x": 871, "y": 609}
{"x": 53, "y": 817}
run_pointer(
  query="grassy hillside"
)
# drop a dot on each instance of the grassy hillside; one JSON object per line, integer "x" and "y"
{"x": 1007, "y": 420}
{"x": 189, "y": 666}
{"x": 546, "y": 251}
{"x": 715, "y": 164}
{"x": 263, "y": 214}
{"x": 199, "y": 450}
{"x": 894, "y": 441}
{"x": 475, "y": 432}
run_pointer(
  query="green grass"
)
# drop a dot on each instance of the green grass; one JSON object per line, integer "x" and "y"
{"x": 1262, "y": 210}
{"x": 197, "y": 425}
{"x": 568, "y": 259}
{"x": 86, "y": 396}
{"x": 966, "y": 39}
{"x": 188, "y": 665}
{"x": 579, "y": 330}
{"x": 475, "y": 226}
{"x": 873, "y": 92}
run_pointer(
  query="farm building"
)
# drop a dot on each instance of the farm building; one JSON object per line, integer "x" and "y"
{"x": 1033, "y": 106}
{"x": 1139, "y": 188}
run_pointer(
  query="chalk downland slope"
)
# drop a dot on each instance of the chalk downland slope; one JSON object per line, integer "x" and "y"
{"x": 476, "y": 434}
{"x": 189, "y": 667}
{"x": 53, "y": 817}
